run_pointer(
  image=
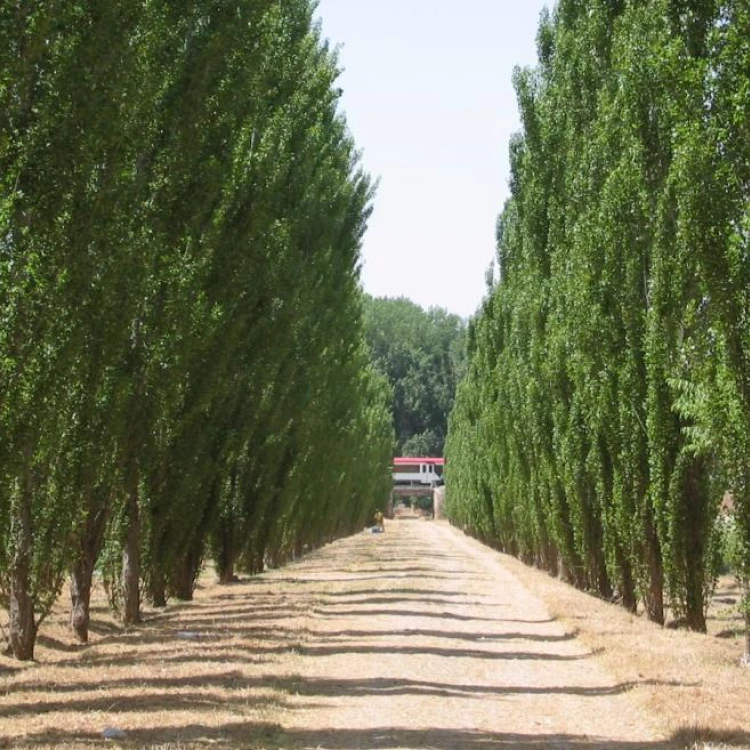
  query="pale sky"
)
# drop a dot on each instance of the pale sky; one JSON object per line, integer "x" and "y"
{"x": 429, "y": 99}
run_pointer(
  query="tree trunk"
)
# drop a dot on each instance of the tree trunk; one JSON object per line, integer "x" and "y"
{"x": 227, "y": 574}
{"x": 746, "y": 591}
{"x": 158, "y": 587}
{"x": 183, "y": 582}
{"x": 131, "y": 603}
{"x": 627, "y": 584}
{"x": 255, "y": 566}
{"x": 551, "y": 558}
{"x": 596, "y": 565}
{"x": 80, "y": 598}
{"x": 695, "y": 547}
{"x": 21, "y": 623}
{"x": 226, "y": 553}
{"x": 600, "y": 578}
{"x": 654, "y": 595}
{"x": 90, "y": 542}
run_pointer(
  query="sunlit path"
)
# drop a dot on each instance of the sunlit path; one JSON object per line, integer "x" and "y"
{"x": 419, "y": 638}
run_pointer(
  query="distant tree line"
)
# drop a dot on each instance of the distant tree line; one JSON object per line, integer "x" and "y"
{"x": 183, "y": 371}
{"x": 606, "y": 408}
{"x": 423, "y": 356}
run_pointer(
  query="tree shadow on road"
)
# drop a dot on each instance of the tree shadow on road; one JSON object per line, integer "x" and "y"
{"x": 272, "y": 737}
{"x": 452, "y": 635}
{"x": 365, "y": 612}
{"x": 457, "y": 653}
{"x": 448, "y": 739}
{"x": 384, "y": 598}
{"x": 395, "y": 591}
{"x": 385, "y": 687}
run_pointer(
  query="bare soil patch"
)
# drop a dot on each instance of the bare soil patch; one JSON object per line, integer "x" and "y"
{"x": 416, "y": 638}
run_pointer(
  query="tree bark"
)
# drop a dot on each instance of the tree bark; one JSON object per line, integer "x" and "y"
{"x": 22, "y": 626}
{"x": 227, "y": 574}
{"x": 695, "y": 547}
{"x": 627, "y": 584}
{"x": 131, "y": 603}
{"x": 550, "y": 557}
{"x": 183, "y": 582}
{"x": 746, "y": 591}
{"x": 226, "y": 554}
{"x": 158, "y": 588}
{"x": 80, "y": 598}
{"x": 654, "y": 596}
{"x": 90, "y": 542}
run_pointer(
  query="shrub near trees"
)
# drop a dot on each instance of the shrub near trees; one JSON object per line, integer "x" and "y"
{"x": 182, "y": 362}
{"x": 605, "y": 410}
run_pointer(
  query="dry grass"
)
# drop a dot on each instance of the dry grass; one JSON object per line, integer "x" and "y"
{"x": 693, "y": 682}
{"x": 179, "y": 679}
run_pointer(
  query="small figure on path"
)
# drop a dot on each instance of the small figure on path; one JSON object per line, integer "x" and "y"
{"x": 379, "y": 521}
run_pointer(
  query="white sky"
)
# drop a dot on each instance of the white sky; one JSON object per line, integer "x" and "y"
{"x": 429, "y": 99}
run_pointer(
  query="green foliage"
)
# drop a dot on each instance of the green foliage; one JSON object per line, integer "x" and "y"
{"x": 422, "y": 354}
{"x": 605, "y": 410}
{"x": 730, "y": 544}
{"x": 182, "y": 356}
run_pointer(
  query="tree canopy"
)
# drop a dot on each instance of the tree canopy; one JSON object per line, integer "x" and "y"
{"x": 183, "y": 370}
{"x": 606, "y": 411}
{"x": 422, "y": 354}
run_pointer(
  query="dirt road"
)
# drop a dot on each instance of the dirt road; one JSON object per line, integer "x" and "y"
{"x": 417, "y": 638}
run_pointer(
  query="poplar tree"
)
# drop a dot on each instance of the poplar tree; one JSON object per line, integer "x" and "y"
{"x": 601, "y": 419}
{"x": 182, "y": 360}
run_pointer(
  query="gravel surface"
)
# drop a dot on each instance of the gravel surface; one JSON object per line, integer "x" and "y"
{"x": 420, "y": 638}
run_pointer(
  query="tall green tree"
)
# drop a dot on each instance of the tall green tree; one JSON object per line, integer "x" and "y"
{"x": 600, "y": 422}
{"x": 422, "y": 354}
{"x": 182, "y": 359}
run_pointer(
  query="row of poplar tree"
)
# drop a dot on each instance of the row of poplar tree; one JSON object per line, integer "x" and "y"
{"x": 606, "y": 411}
{"x": 183, "y": 371}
